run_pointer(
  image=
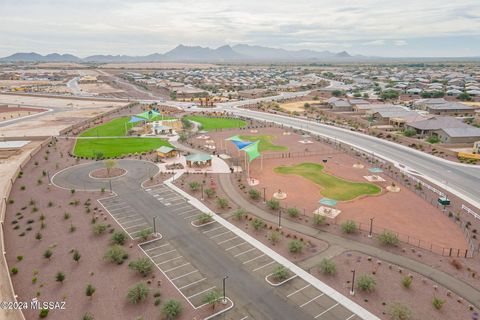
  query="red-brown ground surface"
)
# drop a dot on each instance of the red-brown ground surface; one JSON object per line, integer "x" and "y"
{"x": 400, "y": 212}
{"x": 389, "y": 289}
{"x": 103, "y": 173}
{"x": 110, "y": 280}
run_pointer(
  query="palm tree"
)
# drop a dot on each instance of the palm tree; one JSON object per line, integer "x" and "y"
{"x": 212, "y": 298}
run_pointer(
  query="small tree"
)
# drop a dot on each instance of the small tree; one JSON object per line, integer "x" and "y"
{"x": 222, "y": 203}
{"x": 90, "y": 290}
{"x": 328, "y": 267}
{"x": 280, "y": 273}
{"x": 143, "y": 266}
{"x": 99, "y": 229}
{"x": 258, "y": 224}
{"x": 398, "y": 311}
{"x": 212, "y": 298}
{"x": 273, "y": 204}
{"x": 210, "y": 192}
{"x": 254, "y": 194}
{"x": 144, "y": 234}
{"x": 349, "y": 226}
{"x": 204, "y": 218}
{"x": 293, "y": 212}
{"x": 318, "y": 219}
{"x": 194, "y": 185}
{"x": 119, "y": 237}
{"x": 366, "y": 283}
{"x": 437, "y": 303}
{"x": 295, "y": 246}
{"x": 76, "y": 256}
{"x": 239, "y": 214}
{"x": 110, "y": 164}
{"x": 388, "y": 238}
{"x": 116, "y": 254}
{"x": 60, "y": 276}
{"x": 138, "y": 293}
{"x": 274, "y": 237}
{"x": 171, "y": 309}
{"x": 407, "y": 281}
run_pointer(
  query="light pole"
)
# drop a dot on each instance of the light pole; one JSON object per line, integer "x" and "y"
{"x": 154, "y": 226}
{"x": 371, "y": 227}
{"x": 201, "y": 187}
{"x": 280, "y": 218}
{"x": 352, "y": 291}
{"x": 110, "y": 182}
{"x": 224, "y": 299}
{"x": 264, "y": 198}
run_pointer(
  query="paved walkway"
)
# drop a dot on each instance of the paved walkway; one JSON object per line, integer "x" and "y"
{"x": 457, "y": 286}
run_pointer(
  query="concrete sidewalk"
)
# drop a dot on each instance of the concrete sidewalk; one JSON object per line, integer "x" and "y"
{"x": 457, "y": 286}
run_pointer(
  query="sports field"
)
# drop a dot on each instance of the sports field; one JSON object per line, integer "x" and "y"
{"x": 113, "y": 147}
{"x": 209, "y": 124}
{"x": 265, "y": 143}
{"x": 332, "y": 187}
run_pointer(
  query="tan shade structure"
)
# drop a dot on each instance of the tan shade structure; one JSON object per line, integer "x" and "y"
{"x": 166, "y": 152}
{"x": 198, "y": 160}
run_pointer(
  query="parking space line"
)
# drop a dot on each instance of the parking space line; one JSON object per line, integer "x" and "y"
{"x": 192, "y": 283}
{"x": 243, "y": 252}
{"x": 353, "y": 315}
{"x": 117, "y": 209}
{"x": 127, "y": 216}
{"x": 256, "y": 269}
{"x": 237, "y": 245}
{"x": 184, "y": 275}
{"x": 303, "y": 305}
{"x": 169, "y": 260}
{"x": 297, "y": 291}
{"x": 220, "y": 234}
{"x": 221, "y": 242}
{"x": 244, "y": 318}
{"x": 116, "y": 204}
{"x": 318, "y": 315}
{"x": 178, "y": 267}
{"x": 137, "y": 219}
{"x": 254, "y": 258}
{"x": 163, "y": 245}
{"x": 137, "y": 225}
{"x": 188, "y": 211}
{"x": 182, "y": 207}
{"x": 161, "y": 254}
{"x": 196, "y": 294}
{"x": 197, "y": 214}
{"x": 216, "y": 228}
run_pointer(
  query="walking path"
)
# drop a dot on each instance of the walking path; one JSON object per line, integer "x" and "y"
{"x": 459, "y": 287}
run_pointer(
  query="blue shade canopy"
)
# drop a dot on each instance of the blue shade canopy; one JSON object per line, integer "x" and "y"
{"x": 242, "y": 144}
{"x": 252, "y": 150}
{"x": 135, "y": 119}
{"x": 328, "y": 202}
{"x": 375, "y": 170}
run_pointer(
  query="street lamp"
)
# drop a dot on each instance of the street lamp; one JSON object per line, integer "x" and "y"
{"x": 352, "y": 291}
{"x": 224, "y": 299}
{"x": 110, "y": 182}
{"x": 201, "y": 186}
{"x": 280, "y": 218}
{"x": 154, "y": 226}
{"x": 371, "y": 227}
{"x": 264, "y": 198}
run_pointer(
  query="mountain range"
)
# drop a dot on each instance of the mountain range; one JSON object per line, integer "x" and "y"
{"x": 182, "y": 53}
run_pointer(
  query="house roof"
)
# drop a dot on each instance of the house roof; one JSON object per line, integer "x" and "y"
{"x": 450, "y": 106}
{"x": 165, "y": 149}
{"x": 358, "y": 101}
{"x": 462, "y": 132}
{"x": 341, "y": 104}
{"x": 436, "y": 123}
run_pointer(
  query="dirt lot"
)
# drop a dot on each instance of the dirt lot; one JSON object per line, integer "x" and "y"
{"x": 297, "y": 106}
{"x": 98, "y": 88}
{"x": 403, "y": 217}
{"x": 389, "y": 289}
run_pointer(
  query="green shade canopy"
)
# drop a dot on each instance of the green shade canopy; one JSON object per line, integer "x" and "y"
{"x": 148, "y": 114}
{"x": 198, "y": 157}
{"x": 252, "y": 151}
{"x": 234, "y": 138}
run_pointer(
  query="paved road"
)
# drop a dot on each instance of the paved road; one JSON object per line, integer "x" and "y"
{"x": 457, "y": 286}
{"x": 212, "y": 261}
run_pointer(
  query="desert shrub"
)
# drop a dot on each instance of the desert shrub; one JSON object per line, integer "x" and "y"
{"x": 116, "y": 254}
{"x": 366, "y": 283}
{"x": 407, "y": 281}
{"x": 222, "y": 203}
{"x": 258, "y": 224}
{"x": 119, "y": 237}
{"x": 204, "y": 218}
{"x": 43, "y": 313}
{"x": 437, "y": 303}
{"x": 138, "y": 293}
{"x": 194, "y": 186}
{"x": 293, "y": 212}
{"x": 254, "y": 194}
{"x": 327, "y": 266}
{"x": 143, "y": 266}
{"x": 273, "y": 204}
{"x": 144, "y": 234}
{"x": 280, "y": 273}
{"x": 274, "y": 237}
{"x": 99, "y": 229}
{"x": 171, "y": 309}
{"x": 14, "y": 270}
{"x": 319, "y": 219}
{"x": 349, "y": 226}
{"x": 239, "y": 214}
{"x": 90, "y": 290}
{"x": 295, "y": 246}
{"x": 398, "y": 311}
{"x": 210, "y": 192}
{"x": 388, "y": 238}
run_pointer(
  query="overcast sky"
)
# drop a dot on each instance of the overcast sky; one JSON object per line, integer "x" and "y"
{"x": 139, "y": 27}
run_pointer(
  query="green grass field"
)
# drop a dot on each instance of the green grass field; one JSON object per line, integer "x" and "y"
{"x": 115, "y": 127}
{"x": 332, "y": 187}
{"x": 265, "y": 143}
{"x": 113, "y": 147}
{"x": 209, "y": 124}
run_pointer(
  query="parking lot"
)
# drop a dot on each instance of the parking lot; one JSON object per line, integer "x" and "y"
{"x": 132, "y": 222}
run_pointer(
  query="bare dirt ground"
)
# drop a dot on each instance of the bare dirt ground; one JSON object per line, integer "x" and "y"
{"x": 103, "y": 173}
{"x": 403, "y": 217}
{"x": 99, "y": 88}
{"x": 62, "y": 233}
{"x": 389, "y": 289}
{"x": 297, "y": 106}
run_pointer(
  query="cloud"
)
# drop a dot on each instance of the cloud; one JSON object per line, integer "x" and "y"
{"x": 374, "y": 43}
{"x": 400, "y": 43}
